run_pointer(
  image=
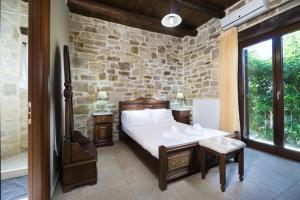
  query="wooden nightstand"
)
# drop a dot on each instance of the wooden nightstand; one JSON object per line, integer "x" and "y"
{"x": 102, "y": 128}
{"x": 181, "y": 115}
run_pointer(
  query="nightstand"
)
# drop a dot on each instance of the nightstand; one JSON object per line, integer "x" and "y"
{"x": 182, "y": 115}
{"x": 102, "y": 128}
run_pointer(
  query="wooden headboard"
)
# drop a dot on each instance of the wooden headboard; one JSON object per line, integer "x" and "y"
{"x": 139, "y": 104}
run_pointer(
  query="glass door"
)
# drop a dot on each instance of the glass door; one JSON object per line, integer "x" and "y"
{"x": 291, "y": 89}
{"x": 259, "y": 91}
{"x": 270, "y": 74}
{"x": 14, "y": 92}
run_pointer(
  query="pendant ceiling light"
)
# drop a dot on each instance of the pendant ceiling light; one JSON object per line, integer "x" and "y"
{"x": 172, "y": 19}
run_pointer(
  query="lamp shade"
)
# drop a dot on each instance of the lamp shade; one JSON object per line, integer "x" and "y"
{"x": 171, "y": 20}
{"x": 102, "y": 95}
{"x": 180, "y": 95}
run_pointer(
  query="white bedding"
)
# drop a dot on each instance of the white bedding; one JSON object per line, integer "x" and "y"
{"x": 151, "y": 136}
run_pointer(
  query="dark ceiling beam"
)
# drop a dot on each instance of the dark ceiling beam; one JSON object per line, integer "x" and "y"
{"x": 201, "y": 7}
{"x": 94, "y": 9}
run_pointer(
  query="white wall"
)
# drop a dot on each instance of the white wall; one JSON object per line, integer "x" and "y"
{"x": 59, "y": 31}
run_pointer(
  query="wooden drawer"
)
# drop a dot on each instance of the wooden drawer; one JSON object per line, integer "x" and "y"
{"x": 103, "y": 132}
{"x": 182, "y": 116}
{"x": 103, "y": 119}
{"x": 185, "y": 113}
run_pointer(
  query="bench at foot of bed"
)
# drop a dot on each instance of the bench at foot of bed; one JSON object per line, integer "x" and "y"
{"x": 183, "y": 160}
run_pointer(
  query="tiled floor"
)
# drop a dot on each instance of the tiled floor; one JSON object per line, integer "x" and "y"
{"x": 15, "y": 188}
{"x": 14, "y": 166}
{"x": 121, "y": 175}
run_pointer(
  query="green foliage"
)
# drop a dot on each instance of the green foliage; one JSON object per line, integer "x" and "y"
{"x": 260, "y": 92}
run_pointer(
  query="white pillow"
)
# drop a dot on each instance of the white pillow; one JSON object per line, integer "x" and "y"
{"x": 135, "y": 118}
{"x": 161, "y": 115}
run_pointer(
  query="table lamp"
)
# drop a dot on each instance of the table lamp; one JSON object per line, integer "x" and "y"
{"x": 101, "y": 97}
{"x": 180, "y": 96}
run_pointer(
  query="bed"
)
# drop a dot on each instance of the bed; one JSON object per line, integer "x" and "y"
{"x": 169, "y": 159}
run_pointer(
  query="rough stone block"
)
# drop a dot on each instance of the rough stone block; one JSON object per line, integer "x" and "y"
{"x": 124, "y": 73}
{"x": 125, "y": 66}
{"x": 102, "y": 76}
{"x": 90, "y": 29}
{"x": 80, "y": 87}
{"x": 135, "y": 50}
{"x": 113, "y": 77}
{"x": 113, "y": 58}
{"x": 84, "y": 109}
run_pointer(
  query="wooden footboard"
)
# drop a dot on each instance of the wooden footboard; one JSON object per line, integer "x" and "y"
{"x": 176, "y": 162}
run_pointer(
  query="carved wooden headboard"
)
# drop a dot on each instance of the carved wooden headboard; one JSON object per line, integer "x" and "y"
{"x": 139, "y": 104}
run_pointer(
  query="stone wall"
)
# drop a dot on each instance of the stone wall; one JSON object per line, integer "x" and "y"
{"x": 13, "y": 99}
{"x": 200, "y": 60}
{"x": 126, "y": 62}
{"x": 201, "y": 53}
{"x": 129, "y": 63}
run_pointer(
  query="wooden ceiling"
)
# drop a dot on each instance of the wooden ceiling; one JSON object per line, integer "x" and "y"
{"x": 147, "y": 14}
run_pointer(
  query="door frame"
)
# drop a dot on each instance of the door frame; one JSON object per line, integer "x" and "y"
{"x": 38, "y": 97}
{"x": 276, "y": 27}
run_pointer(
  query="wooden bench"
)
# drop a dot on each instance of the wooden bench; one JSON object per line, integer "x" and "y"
{"x": 224, "y": 148}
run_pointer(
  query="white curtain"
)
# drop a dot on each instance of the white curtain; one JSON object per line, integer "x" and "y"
{"x": 23, "y": 82}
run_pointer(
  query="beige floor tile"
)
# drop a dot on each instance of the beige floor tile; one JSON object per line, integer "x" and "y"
{"x": 269, "y": 179}
{"x": 136, "y": 173}
{"x": 192, "y": 188}
{"x": 189, "y": 187}
{"x": 116, "y": 193}
{"x": 292, "y": 193}
{"x": 106, "y": 160}
{"x": 213, "y": 175}
{"x": 76, "y": 194}
{"x": 279, "y": 198}
{"x": 125, "y": 156}
{"x": 211, "y": 195}
{"x": 109, "y": 177}
{"x": 247, "y": 191}
{"x": 252, "y": 159}
{"x": 57, "y": 197}
{"x": 148, "y": 190}
{"x": 278, "y": 165}
{"x": 208, "y": 192}
{"x": 127, "y": 160}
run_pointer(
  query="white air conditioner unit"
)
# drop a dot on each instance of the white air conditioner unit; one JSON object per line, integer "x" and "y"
{"x": 245, "y": 13}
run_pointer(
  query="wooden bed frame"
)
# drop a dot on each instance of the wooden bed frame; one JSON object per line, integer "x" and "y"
{"x": 174, "y": 162}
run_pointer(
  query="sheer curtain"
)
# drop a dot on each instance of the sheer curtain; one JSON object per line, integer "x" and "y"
{"x": 228, "y": 81}
{"x": 23, "y": 82}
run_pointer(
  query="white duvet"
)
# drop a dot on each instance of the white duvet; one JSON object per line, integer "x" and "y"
{"x": 151, "y": 136}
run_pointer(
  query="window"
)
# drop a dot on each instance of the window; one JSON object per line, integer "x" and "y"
{"x": 259, "y": 63}
{"x": 269, "y": 86}
{"x": 291, "y": 89}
